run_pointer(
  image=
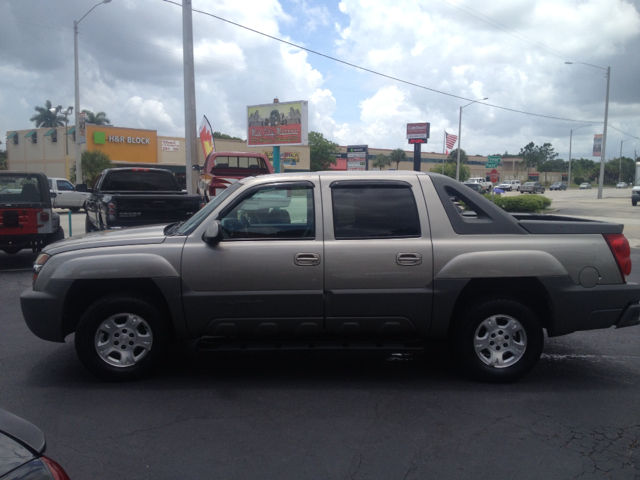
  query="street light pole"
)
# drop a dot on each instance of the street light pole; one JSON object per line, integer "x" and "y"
{"x": 570, "y": 140}
{"x": 620, "y": 167}
{"x": 460, "y": 136}
{"x": 604, "y": 132}
{"x": 77, "y": 90}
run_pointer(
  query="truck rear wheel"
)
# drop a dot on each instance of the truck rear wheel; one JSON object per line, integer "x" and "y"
{"x": 499, "y": 340}
{"x": 122, "y": 337}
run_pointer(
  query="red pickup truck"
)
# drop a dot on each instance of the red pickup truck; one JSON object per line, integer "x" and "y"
{"x": 222, "y": 169}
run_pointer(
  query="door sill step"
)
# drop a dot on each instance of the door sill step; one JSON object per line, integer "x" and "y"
{"x": 215, "y": 344}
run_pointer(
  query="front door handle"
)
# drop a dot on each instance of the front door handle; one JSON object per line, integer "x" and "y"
{"x": 409, "y": 259}
{"x": 306, "y": 259}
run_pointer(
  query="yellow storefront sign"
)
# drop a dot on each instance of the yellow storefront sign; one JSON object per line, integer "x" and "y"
{"x": 124, "y": 144}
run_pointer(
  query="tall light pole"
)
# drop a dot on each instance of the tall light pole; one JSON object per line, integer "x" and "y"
{"x": 77, "y": 89}
{"x": 620, "y": 167}
{"x": 604, "y": 132}
{"x": 460, "y": 135}
{"x": 190, "y": 129}
{"x": 570, "y": 140}
{"x": 66, "y": 114}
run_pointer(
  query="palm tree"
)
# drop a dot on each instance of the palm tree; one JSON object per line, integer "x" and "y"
{"x": 398, "y": 155}
{"x": 46, "y": 118}
{"x": 381, "y": 161}
{"x": 99, "y": 118}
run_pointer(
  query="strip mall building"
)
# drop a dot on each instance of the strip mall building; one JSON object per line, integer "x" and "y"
{"x": 45, "y": 150}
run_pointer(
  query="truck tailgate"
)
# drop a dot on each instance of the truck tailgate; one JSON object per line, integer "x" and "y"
{"x": 149, "y": 209}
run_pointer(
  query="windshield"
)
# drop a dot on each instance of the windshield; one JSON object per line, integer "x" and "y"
{"x": 21, "y": 188}
{"x": 187, "y": 227}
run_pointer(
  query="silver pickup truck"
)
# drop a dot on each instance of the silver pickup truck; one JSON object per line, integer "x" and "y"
{"x": 360, "y": 260}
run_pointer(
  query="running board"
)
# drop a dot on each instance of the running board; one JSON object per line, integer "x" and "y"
{"x": 213, "y": 344}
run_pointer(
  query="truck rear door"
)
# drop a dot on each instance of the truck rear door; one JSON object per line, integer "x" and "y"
{"x": 378, "y": 256}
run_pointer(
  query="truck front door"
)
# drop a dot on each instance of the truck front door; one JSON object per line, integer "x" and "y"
{"x": 265, "y": 277}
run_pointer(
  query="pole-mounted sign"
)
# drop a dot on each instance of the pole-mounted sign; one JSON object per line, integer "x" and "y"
{"x": 418, "y": 132}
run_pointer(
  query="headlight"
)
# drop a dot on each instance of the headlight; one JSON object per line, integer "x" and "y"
{"x": 38, "y": 264}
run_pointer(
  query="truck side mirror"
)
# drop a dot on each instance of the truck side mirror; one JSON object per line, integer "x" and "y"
{"x": 213, "y": 233}
{"x": 197, "y": 168}
{"x": 53, "y": 194}
{"x": 81, "y": 187}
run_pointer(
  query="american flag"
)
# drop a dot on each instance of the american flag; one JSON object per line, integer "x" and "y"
{"x": 450, "y": 139}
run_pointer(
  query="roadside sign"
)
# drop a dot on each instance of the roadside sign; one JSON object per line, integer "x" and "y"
{"x": 493, "y": 161}
{"x": 494, "y": 176}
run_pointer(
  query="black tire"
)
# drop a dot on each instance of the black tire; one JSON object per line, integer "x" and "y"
{"x": 74, "y": 209}
{"x": 98, "y": 338}
{"x": 11, "y": 250}
{"x": 634, "y": 202}
{"x": 480, "y": 339}
{"x": 88, "y": 225}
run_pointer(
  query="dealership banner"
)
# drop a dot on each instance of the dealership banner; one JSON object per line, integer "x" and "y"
{"x": 206, "y": 137}
{"x": 597, "y": 145}
{"x": 275, "y": 124}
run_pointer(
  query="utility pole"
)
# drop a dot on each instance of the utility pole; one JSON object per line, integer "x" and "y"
{"x": 190, "y": 128}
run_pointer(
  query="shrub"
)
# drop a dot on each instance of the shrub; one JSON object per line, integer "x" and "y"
{"x": 522, "y": 204}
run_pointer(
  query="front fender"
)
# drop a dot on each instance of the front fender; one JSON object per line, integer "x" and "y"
{"x": 132, "y": 265}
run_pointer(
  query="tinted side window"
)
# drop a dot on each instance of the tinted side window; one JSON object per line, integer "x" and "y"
{"x": 374, "y": 211}
{"x": 276, "y": 212}
{"x": 63, "y": 185}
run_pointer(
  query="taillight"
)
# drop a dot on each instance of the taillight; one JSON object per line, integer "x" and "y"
{"x": 112, "y": 210}
{"x": 38, "y": 264}
{"x": 44, "y": 216}
{"x": 57, "y": 472}
{"x": 619, "y": 246}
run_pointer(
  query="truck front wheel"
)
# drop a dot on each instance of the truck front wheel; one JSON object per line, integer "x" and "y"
{"x": 499, "y": 340}
{"x": 122, "y": 337}
{"x": 634, "y": 202}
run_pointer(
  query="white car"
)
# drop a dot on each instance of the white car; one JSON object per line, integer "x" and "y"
{"x": 509, "y": 185}
{"x": 66, "y": 194}
{"x": 585, "y": 186}
{"x": 622, "y": 185}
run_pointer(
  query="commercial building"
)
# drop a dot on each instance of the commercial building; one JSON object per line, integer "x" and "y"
{"x": 52, "y": 150}
{"x": 45, "y": 150}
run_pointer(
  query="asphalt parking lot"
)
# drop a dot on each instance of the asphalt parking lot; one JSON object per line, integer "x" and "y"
{"x": 310, "y": 415}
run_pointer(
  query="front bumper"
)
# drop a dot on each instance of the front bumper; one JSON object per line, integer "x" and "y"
{"x": 43, "y": 311}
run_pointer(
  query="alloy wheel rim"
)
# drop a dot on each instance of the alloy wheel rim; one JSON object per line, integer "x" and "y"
{"x": 500, "y": 341}
{"x": 123, "y": 340}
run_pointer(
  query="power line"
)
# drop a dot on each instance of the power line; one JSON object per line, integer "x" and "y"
{"x": 379, "y": 73}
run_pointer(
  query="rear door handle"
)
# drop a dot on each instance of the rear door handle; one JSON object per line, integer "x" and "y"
{"x": 306, "y": 259}
{"x": 409, "y": 259}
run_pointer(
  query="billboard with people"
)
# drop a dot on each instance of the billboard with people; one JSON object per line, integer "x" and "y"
{"x": 276, "y": 124}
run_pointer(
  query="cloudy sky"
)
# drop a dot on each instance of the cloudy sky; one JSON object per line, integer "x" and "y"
{"x": 442, "y": 54}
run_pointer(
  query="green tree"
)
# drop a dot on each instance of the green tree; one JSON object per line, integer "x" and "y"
{"x": 530, "y": 156}
{"x": 99, "y": 118}
{"x": 93, "y": 163}
{"x": 398, "y": 155}
{"x": 323, "y": 152}
{"x": 450, "y": 170}
{"x": 453, "y": 157}
{"x": 381, "y": 161}
{"x": 45, "y": 118}
{"x": 224, "y": 136}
